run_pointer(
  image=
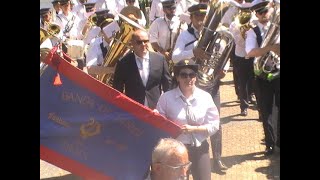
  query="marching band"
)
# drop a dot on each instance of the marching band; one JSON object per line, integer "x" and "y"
{"x": 98, "y": 35}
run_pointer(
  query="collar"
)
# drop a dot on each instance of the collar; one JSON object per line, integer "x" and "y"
{"x": 196, "y": 32}
{"x": 166, "y": 19}
{"x": 144, "y": 57}
{"x": 263, "y": 26}
{"x": 178, "y": 93}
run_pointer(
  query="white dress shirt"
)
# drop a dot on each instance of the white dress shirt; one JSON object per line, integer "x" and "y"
{"x": 173, "y": 108}
{"x": 160, "y": 33}
{"x": 143, "y": 65}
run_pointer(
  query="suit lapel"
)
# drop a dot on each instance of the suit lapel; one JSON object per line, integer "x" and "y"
{"x": 151, "y": 67}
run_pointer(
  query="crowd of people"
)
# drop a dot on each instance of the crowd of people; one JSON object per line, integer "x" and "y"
{"x": 161, "y": 68}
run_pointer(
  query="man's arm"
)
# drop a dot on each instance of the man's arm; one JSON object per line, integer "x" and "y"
{"x": 118, "y": 78}
{"x": 179, "y": 52}
{"x": 256, "y": 52}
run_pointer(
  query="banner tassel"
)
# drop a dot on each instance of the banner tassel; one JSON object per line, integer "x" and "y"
{"x": 57, "y": 80}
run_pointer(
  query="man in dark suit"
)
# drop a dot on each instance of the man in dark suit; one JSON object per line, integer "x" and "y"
{"x": 142, "y": 75}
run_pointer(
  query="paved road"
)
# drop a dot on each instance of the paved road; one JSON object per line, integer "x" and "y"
{"x": 242, "y": 145}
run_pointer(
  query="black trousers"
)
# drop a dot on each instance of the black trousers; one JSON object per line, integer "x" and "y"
{"x": 216, "y": 139}
{"x": 201, "y": 166}
{"x": 246, "y": 79}
{"x": 235, "y": 72}
{"x": 268, "y": 94}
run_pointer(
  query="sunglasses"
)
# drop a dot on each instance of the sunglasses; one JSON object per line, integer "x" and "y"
{"x": 139, "y": 42}
{"x": 186, "y": 75}
{"x": 178, "y": 168}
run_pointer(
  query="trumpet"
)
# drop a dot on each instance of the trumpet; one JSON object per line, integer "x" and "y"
{"x": 52, "y": 30}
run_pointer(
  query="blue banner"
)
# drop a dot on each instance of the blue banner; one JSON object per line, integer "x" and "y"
{"x": 94, "y": 131}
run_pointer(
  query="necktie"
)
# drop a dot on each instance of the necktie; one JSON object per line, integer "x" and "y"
{"x": 191, "y": 119}
{"x": 168, "y": 41}
{"x": 103, "y": 49}
{"x": 144, "y": 70}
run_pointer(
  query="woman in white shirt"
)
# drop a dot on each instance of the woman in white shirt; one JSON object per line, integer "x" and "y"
{"x": 194, "y": 110}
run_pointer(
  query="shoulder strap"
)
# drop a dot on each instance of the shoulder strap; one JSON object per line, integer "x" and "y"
{"x": 191, "y": 31}
{"x": 69, "y": 27}
{"x": 103, "y": 49}
{"x": 258, "y": 34}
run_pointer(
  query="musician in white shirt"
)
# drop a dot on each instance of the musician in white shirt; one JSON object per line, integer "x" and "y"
{"x": 164, "y": 30}
{"x": 156, "y": 9}
{"x": 69, "y": 22}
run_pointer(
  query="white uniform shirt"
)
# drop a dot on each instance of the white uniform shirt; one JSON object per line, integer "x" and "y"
{"x": 54, "y": 14}
{"x": 94, "y": 54}
{"x": 142, "y": 21}
{"x": 115, "y": 6}
{"x": 101, "y": 4}
{"x": 229, "y": 16}
{"x": 181, "y": 51}
{"x": 156, "y": 9}
{"x": 76, "y": 30}
{"x": 173, "y": 108}
{"x": 160, "y": 33}
{"x": 238, "y": 39}
{"x": 251, "y": 40}
{"x": 80, "y": 11}
{"x": 91, "y": 34}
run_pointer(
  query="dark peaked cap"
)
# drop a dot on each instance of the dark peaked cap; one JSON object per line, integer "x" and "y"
{"x": 55, "y": 1}
{"x": 186, "y": 63}
{"x": 168, "y": 3}
{"x": 102, "y": 12}
{"x": 198, "y": 8}
{"x": 44, "y": 11}
{"x": 89, "y": 6}
{"x": 260, "y": 5}
{"x": 64, "y": 2}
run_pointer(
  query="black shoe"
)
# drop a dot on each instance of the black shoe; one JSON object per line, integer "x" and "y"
{"x": 244, "y": 112}
{"x": 218, "y": 165}
{"x": 269, "y": 151}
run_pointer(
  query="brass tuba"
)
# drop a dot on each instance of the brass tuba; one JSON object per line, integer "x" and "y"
{"x": 119, "y": 46}
{"x": 268, "y": 65}
{"x": 216, "y": 43}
